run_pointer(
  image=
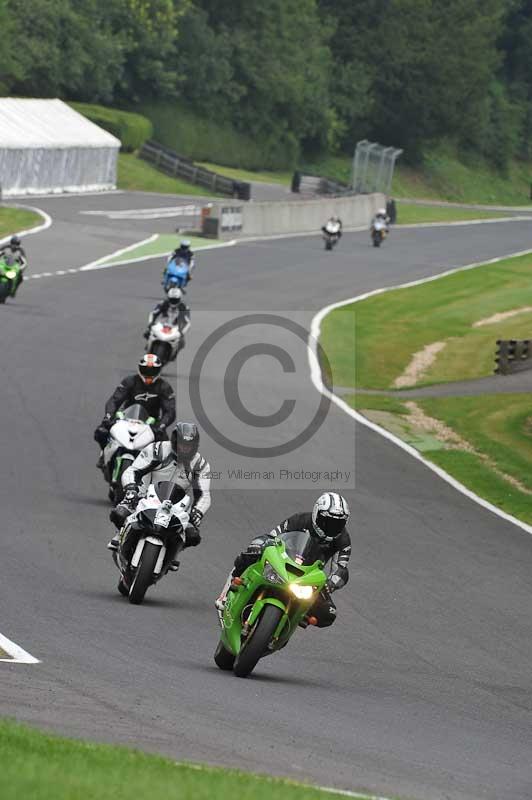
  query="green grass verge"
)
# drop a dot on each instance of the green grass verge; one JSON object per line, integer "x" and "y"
{"x": 383, "y": 332}
{"x": 162, "y": 246}
{"x": 44, "y": 767}
{"x": 134, "y": 174}
{"x": 284, "y": 178}
{"x": 499, "y": 427}
{"x": 13, "y": 220}
{"x": 411, "y": 214}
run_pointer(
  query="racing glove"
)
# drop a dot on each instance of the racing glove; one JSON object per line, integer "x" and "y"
{"x": 160, "y": 432}
{"x": 196, "y": 517}
{"x": 192, "y": 536}
{"x": 131, "y": 495}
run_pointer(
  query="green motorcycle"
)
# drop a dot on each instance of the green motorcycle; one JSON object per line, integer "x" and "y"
{"x": 268, "y": 601}
{"x": 9, "y": 276}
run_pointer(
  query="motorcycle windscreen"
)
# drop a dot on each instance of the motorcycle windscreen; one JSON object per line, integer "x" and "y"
{"x": 301, "y": 547}
{"x": 168, "y": 490}
{"x": 135, "y": 412}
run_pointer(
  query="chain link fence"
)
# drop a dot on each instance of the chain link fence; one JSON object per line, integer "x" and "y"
{"x": 373, "y": 166}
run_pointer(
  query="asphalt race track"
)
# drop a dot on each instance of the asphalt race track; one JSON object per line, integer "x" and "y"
{"x": 423, "y": 686}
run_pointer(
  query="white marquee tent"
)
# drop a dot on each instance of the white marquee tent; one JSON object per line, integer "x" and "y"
{"x": 46, "y": 146}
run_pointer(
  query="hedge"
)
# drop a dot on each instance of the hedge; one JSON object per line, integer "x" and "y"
{"x": 132, "y": 129}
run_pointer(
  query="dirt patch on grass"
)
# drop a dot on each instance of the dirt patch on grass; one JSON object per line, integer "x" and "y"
{"x": 423, "y": 422}
{"x": 420, "y": 363}
{"x": 500, "y": 317}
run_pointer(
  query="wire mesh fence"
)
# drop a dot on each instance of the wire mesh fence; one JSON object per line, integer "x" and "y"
{"x": 373, "y": 166}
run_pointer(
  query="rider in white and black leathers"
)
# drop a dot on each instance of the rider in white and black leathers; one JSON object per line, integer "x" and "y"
{"x": 326, "y": 524}
{"x": 158, "y": 462}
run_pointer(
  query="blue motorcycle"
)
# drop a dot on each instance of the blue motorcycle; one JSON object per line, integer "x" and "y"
{"x": 176, "y": 274}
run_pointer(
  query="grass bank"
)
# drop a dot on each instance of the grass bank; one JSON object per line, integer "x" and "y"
{"x": 13, "y": 220}
{"x": 413, "y": 214}
{"x": 445, "y": 176}
{"x": 372, "y": 343}
{"x": 134, "y": 174}
{"x": 485, "y": 442}
{"x": 262, "y": 176}
{"x": 44, "y": 767}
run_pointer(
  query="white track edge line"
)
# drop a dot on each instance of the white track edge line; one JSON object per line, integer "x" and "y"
{"x": 285, "y": 779}
{"x": 95, "y": 264}
{"x": 317, "y": 380}
{"x": 19, "y": 655}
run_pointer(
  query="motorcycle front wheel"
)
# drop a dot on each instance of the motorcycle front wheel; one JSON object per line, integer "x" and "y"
{"x": 223, "y": 658}
{"x": 144, "y": 576}
{"x": 257, "y": 642}
{"x": 161, "y": 350}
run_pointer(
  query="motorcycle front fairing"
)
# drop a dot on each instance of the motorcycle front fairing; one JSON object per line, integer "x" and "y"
{"x": 162, "y": 513}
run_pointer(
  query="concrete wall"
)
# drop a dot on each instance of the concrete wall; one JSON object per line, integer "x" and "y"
{"x": 295, "y": 216}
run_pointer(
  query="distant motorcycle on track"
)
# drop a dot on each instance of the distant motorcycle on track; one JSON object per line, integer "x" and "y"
{"x": 379, "y": 232}
{"x": 9, "y": 276}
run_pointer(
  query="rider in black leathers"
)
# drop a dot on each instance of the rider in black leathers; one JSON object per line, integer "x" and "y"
{"x": 326, "y": 525}
{"x": 148, "y": 390}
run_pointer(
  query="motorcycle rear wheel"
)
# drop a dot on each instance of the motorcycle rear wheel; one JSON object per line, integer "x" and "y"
{"x": 144, "y": 575}
{"x": 255, "y": 646}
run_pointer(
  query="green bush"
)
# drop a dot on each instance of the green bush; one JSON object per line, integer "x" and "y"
{"x": 131, "y": 129}
{"x": 205, "y": 139}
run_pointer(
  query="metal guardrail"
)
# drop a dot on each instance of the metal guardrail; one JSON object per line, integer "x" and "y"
{"x": 513, "y": 355}
{"x": 317, "y": 185}
{"x": 175, "y": 165}
{"x": 373, "y": 167}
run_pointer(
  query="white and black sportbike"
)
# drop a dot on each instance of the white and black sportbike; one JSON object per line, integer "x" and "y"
{"x": 151, "y": 538}
{"x": 130, "y": 434}
{"x": 164, "y": 339}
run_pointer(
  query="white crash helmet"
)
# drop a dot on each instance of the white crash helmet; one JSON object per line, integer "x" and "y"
{"x": 329, "y": 516}
{"x": 174, "y": 294}
{"x": 381, "y": 212}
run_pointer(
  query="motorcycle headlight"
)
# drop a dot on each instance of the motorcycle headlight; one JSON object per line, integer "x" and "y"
{"x": 10, "y": 273}
{"x": 271, "y": 575}
{"x": 301, "y": 592}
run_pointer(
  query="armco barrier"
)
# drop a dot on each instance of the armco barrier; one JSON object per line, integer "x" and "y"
{"x": 286, "y": 217}
{"x": 175, "y": 165}
{"x": 513, "y": 355}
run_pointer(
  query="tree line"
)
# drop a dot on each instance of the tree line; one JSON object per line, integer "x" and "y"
{"x": 315, "y": 74}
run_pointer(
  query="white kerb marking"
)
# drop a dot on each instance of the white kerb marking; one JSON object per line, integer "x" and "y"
{"x": 17, "y": 653}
